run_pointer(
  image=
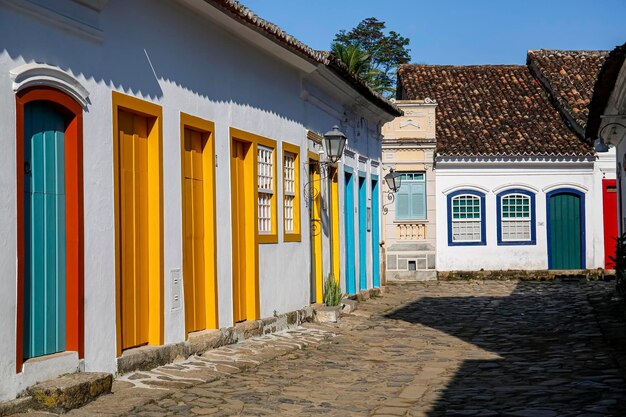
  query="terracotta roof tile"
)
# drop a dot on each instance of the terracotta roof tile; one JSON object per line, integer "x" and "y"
{"x": 490, "y": 110}
{"x": 569, "y": 76}
{"x": 273, "y": 32}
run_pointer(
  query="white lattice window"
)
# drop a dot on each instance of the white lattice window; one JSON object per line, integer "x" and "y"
{"x": 466, "y": 218}
{"x": 289, "y": 177}
{"x": 265, "y": 184}
{"x": 516, "y": 218}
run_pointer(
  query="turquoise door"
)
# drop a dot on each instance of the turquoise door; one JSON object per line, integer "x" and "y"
{"x": 566, "y": 230}
{"x": 349, "y": 226}
{"x": 362, "y": 234}
{"x": 375, "y": 234}
{"x": 44, "y": 230}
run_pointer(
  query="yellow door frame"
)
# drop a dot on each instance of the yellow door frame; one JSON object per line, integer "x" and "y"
{"x": 155, "y": 214}
{"x": 334, "y": 219}
{"x": 206, "y": 128}
{"x": 250, "y": 194}
{"x": 316, "y": 216}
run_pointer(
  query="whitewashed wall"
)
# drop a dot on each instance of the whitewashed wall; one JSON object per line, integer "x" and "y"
{"x": 172, "y": 56}
{"x": 539, "y": 178}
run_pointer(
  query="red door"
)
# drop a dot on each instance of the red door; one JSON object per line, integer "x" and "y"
{"x": 609, "y": 201}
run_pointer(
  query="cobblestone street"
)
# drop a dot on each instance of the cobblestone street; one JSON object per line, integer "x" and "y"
{"x": 433, "y": 349}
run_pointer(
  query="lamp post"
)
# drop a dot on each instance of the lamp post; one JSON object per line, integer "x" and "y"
{"x": 394, "y": 182}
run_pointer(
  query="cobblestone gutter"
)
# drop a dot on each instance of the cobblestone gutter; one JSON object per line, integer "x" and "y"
{"x": 149, "y": 357}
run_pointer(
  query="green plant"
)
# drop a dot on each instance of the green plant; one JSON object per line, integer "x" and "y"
{"x": 332, "y": 294}
{"x": 620, "y": 265}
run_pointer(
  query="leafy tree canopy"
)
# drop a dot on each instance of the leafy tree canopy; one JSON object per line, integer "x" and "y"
{"x": 383, "y": 52}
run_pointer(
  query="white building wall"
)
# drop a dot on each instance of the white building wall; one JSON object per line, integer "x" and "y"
{"x": 171, "y": 56}
{"x": 539, "y": 178}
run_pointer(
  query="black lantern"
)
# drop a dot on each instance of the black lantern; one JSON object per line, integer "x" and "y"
{"x": 393, "y": 180}
{"x": 335, "y": 142}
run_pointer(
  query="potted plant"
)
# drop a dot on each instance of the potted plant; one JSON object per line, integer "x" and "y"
{"x": 331, "y": 296}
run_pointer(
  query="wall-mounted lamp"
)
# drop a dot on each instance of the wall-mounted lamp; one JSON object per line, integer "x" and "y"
{"x": 335, "y": 141}
{"x": 394, "y": 182}
{"x": 600, "y": 144}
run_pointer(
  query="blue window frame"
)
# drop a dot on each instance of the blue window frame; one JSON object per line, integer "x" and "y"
{"x": 516, "y": 217}
{"x": 411, "y": 197}
{"x": 466, "y": 218}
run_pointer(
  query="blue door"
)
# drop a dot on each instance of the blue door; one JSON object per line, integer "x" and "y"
{"x": 349, "y": 226}
{"x": 375, "y": 235}
{"x": 44, "y": 229}
{"x": 362, "y": 234}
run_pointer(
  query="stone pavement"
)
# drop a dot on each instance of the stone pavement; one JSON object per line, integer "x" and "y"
{"x": 524, "y": 349}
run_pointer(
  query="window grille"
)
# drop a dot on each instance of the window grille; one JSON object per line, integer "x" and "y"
{"x": 515, "y": 218}
{"x": 289, "y": 177}
{"x": 265, "y": 184}
{"x": 466, "y": 219}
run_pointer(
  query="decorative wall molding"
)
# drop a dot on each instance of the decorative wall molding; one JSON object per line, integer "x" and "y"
{"x": 573, "y": 185}
{"x": 514, "y": 185}
{"x": 31, "y": 75}
{"x": 472, "y": 187}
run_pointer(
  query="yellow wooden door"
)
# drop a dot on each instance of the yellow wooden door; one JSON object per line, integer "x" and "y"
{"x": 194, "y": 262}
{"x": 316, "y": 233}
{"x": 134, "y": 262}
{"x": 239, "y": 230}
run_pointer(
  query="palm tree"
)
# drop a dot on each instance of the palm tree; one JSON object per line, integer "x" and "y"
{"x": 359, "y": 63}
{"x": 357, "y": 60}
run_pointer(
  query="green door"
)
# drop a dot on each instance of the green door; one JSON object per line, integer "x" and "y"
{"x": 44, "y": 229}
{"x": 565, "y": 230}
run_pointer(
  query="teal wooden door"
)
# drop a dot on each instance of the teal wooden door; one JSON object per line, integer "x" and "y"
{"x": 349, "y": 225}
{"x": 362, "y": 234}
{"x": 44, "y": 230}
{"x": 375, "y": 235}
{"x": 565, "y": 231}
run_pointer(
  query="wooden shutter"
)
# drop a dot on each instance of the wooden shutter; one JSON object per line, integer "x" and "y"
{"x": 403, "y": 210}
{"x": 418, "y": 201}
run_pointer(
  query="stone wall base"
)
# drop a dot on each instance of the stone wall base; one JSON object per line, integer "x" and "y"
{"x": 537, "y": 275}
{"x": 149, "y": 357}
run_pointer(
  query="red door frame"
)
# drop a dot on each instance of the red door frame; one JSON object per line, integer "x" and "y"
{"x": 74, "y": 217}
{"x": 609, "y": 204}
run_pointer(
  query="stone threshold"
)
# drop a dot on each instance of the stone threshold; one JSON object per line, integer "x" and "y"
{"x": 61, "y": 394}
{"x": 145, "y": 358}
{"x": 572, "y": 275}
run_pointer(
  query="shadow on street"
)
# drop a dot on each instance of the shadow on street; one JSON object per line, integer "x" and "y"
{"x": 553, "y": 358}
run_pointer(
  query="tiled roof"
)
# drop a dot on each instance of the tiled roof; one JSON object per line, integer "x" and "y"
{"x": 239, "y": 12}
{"x": 603, "y": 88}
{"x": 490, "y": 110}
{"x": 569, "y": 76}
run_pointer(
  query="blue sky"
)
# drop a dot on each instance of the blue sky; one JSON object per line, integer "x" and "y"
{"x": 460, "y": 31}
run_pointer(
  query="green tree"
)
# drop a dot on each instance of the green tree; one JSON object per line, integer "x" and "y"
{"x": 385, "y": 51}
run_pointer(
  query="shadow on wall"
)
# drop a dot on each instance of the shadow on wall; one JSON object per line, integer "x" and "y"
{"x": 152, "y": 45}
{"x": 553, "y": 359}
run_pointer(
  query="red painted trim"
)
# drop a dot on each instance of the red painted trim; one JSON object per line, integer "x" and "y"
{"x": 74, "y": 218}
{"x": 609, "y": 202}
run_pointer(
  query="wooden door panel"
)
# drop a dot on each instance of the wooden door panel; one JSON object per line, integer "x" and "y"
{"x": 133, "y": 189}
{"x": 45, "y": 230}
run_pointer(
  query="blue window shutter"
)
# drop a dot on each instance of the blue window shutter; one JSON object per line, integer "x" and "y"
{"x": 403, "y": 203}
{"x": 418, "y": 201}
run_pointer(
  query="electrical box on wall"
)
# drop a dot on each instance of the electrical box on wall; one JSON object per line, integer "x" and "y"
{"x": 177, "y": 284}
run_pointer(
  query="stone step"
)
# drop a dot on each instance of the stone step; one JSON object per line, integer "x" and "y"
{"x": 70, "y": 391}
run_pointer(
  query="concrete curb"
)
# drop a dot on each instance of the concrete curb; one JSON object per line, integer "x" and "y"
{"x": 539, "y": 275}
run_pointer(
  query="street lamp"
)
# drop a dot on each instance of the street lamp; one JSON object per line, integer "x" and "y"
{"x": 394, "y": 182}
{"x": 335, "y": 142}
{"x": 599, "y": 144}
